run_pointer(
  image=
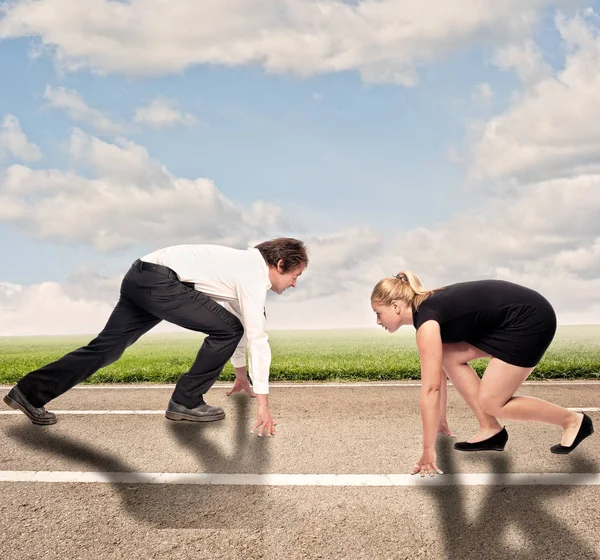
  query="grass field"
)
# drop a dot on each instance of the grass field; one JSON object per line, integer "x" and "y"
{"x": 368, "y": 354}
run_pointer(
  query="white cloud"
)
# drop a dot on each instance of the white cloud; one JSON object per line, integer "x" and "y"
{"x": 538, "y": 224}
{"x": 563, "y": 208}
{"x": 90, "y": 282}
{"x": 132, "y": 199}
{"x": 483, "y": 94}
{"x": 346, "y": 309}
{"x": 550, "y": 130}
{"x": 543, "y": 150}
{"x": 14, "y": 141}
{"x": 49, "y": 309}
{"x": 339, "y": 262}
{"x": 78, "y": 110}
{"x": 526, "y": 59}
{"x": 547, "y": 237}
{"x": 46, "y": 309}
{"x": 493, "y": 241}
{"x": 384, "y": 40}
{"x": 454, "y": 155}
{"x": 162, "y": 113}
{"x": 124, "y": 161}
{"x": 583, "y": 261}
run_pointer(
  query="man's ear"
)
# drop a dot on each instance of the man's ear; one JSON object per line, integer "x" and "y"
{"x": 280, "y": 265}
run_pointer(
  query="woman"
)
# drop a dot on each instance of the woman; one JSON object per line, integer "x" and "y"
{"x": 508, "y": 323}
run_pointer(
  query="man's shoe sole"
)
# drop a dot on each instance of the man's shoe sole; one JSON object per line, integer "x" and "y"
{"x": 192, "y": 418}
{"x": 14, "y": 404}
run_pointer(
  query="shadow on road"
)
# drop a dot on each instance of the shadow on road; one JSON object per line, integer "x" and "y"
{"x": 178, "y": 506}
{"x": 475, "y": 523}
{"x": 520, "y": 522}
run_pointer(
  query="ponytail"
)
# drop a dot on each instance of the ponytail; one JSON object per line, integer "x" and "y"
{"x": 404, "y": 286}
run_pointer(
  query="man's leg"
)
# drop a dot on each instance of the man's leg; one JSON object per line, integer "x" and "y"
{"x": 163, "y": 295}
{"x": 126, "y": 324}
{"x": 224, "y": 335}
{"x": 197, "y": 312}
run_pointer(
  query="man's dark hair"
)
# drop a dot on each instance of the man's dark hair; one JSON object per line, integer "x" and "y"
{"x": 291, "y": 251}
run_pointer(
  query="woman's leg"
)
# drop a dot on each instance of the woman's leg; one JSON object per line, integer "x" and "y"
{"x": 496, "y": 396}
{"x": 455, "y": 362}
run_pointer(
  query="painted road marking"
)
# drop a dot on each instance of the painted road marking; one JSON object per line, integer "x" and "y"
{"x": 485, "y": 479}
{"x": 162, "y": 411}
{"x": 78, "y": 412}
{"x": 300, "y": 385}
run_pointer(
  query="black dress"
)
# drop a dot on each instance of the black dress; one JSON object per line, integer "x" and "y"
{"x": 510, "y": 322}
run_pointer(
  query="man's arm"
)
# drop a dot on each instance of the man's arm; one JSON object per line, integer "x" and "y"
{"x": 252, "y": 303}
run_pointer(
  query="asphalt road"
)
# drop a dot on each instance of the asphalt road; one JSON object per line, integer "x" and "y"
{"x": 321, "y": 430}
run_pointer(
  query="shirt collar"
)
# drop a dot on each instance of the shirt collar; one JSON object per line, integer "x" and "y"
{"x": 264, "y": 268}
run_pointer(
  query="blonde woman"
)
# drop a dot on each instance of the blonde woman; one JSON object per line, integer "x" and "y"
{"x": 508, "y": 323}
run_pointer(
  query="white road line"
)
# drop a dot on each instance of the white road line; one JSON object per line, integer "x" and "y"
{"x": 78, "y": 412}
{"x": 486, "y": 479}
{"x": 301, "y": 385}
{"x": 162, "y": 411}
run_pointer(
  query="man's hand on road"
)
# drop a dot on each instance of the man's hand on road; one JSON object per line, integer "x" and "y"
{"x": 241, "y": 384}
{"x": 264, "y": 422}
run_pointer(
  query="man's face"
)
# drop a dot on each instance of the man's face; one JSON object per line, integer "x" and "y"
{"x": 281, "y": 281}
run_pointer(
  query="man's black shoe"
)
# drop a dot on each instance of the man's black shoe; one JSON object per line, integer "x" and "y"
{"x": 200, "y": 413}
{"x": 495, "y": 443}
{"x": 17, "y": 400}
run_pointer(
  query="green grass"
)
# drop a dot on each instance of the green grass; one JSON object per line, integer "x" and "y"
{"x": 297, "y": 355}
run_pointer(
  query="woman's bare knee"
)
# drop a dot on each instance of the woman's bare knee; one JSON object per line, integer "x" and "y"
{"x": 490, "y": 404}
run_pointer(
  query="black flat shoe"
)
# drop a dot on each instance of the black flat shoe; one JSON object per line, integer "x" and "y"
{"x": 586, "y": 429}
{"x": 495, "y": 443}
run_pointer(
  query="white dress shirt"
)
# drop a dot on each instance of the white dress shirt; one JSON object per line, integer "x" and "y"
{"x": 238, "y": 280}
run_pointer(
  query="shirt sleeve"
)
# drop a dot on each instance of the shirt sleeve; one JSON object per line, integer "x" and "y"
{"x": 427, "y": 313}
{"x": 252, "y": 297}
{"x": 238, "y": 359}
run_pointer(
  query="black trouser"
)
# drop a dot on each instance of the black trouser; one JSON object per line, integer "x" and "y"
{"x": 149, "y": 294}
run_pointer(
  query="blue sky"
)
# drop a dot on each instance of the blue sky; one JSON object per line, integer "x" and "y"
{"x": 422, "y": 146}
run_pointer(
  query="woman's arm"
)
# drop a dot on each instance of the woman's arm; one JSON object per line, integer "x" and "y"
{"x": 443, "y": 427}
{"x": 429, "y": 343}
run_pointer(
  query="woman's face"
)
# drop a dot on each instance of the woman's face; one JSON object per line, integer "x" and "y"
{"x": 390, "y": 317}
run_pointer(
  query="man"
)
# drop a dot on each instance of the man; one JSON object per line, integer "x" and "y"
{"x": 216, "y": 290}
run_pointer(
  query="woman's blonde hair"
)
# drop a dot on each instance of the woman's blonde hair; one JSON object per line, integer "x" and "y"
{"x": 405, "y": 287}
